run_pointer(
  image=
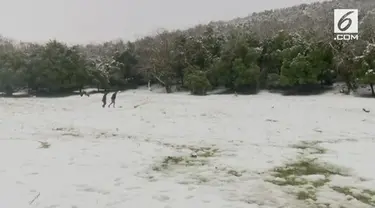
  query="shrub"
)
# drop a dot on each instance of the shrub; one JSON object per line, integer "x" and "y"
{"x": 197, "y": 83}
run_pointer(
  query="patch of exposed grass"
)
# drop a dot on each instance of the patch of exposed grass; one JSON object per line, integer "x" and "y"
{"x": 271, "y": 120}
{"x": 68, "y": 131}
{"x": 370, "y": 192}
{"x": 365, "y": 196}
{"x": 62, "y": 129}
{"x": 308, "y": 167}
{"x": 71, "y": 134}
{"x": 230, "y": 171}
{"x": 297, "y": 174}
{"x": 198, "y": 157}
{"x": 44, "y": 145}
{"x": 306, "y": 195}
{"x": 311, "y": 146}
{"x": 106, "y": 135}
{"x": 305, "y": 177}
{"x": 235, "y": 173}
{"x": 196, "y": 179}
{"x": 200, "y": 151}
{"x": 203, "y": 179}
{"x": 296, "y": 181}
{"x": 173, "y": 161}
{"x": 205, "y": 151}
{"x": 288, "y": 181}
{"x": 320, "y": 182}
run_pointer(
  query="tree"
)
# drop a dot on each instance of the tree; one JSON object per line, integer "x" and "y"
{"x": 12, "y": 68}
{"x": 246, "y": 76}
{"x": 366, "y": 65}
{"x": 159, "y": 64}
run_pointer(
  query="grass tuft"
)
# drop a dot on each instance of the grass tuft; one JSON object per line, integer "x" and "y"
{"x": 311, "y": 146}
{"x": 365, "y": 196}
{"x": 44, "y": 145}
{"x": 296, "y": 174}
{"x": 181, "y": 161}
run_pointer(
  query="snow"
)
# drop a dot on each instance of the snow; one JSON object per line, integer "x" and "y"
{"x": 104, "y": 157}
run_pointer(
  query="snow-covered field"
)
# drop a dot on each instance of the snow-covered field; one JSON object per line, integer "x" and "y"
{"x": 70, "y": 152}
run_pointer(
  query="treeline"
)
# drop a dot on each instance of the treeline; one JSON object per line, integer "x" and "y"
{"x": 239, "y": 57}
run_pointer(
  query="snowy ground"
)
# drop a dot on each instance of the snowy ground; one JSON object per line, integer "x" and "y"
{"x": 70, "y": 152}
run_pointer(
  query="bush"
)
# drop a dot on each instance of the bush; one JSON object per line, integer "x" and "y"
{"x": 197, "y": 83}
{"x": 247, "y": 77}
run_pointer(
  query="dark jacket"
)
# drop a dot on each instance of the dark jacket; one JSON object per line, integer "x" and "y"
{"x": 113, "y": 97}
{"x": 104, "y": 99}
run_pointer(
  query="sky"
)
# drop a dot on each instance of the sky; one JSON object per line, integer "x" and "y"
{"x": 88, "y": 21}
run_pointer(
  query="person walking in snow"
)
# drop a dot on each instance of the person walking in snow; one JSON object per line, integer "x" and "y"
{"x": 113, "y": 99}
{"x": 104, "y": 99}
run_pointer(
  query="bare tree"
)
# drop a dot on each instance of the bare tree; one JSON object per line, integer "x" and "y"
{"x": 159, "y": 51}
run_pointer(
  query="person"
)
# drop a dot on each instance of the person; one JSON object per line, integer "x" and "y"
{"x": 113, "y": 99}
{"x": 149, "y": 85}
{"x": 104, "y": 99}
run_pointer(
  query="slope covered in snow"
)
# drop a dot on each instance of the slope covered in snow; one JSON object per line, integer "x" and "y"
{"x": 252, "y": 151}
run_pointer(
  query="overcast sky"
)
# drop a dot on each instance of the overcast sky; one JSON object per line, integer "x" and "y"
{"x": 83, "y": 21}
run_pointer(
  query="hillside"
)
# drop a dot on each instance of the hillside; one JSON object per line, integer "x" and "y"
{"x": 317, "y": 17}
{"x": 283, "y": 49}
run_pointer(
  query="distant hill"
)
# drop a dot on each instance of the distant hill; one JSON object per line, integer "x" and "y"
{"x": 316, "y": 17}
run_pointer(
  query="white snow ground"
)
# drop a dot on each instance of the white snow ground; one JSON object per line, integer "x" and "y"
{"x": 107, "y": 157}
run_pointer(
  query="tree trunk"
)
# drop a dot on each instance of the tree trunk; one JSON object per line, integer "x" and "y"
{"x": 372, "y": 90}
{"x": 8, "y": 90}
{"x": 349, "y": 87}
{"x": 166, "y": 84}
{"x": 168, "y": 88}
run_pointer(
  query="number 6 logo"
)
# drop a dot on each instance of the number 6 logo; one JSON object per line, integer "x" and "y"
{"x": 346, "y": 21}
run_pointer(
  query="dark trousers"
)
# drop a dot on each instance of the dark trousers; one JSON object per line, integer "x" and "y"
{"x": 113, "y": 101}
